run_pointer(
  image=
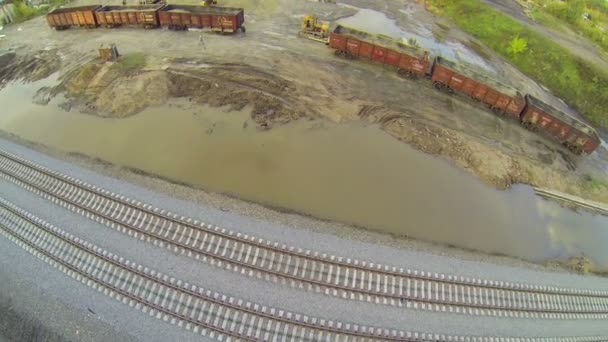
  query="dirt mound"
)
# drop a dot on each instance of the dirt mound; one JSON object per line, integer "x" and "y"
{"x": 106, "y": 92}
{"x": 491, "y": 165}
{"x": 125, "y": 97}
{"x": 268, "y": 95}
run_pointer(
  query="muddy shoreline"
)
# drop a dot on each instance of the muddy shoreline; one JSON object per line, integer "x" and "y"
{"x": 277, "y": 101}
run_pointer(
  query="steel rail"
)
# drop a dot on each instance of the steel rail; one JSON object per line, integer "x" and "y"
{"x": 562, "y": 300}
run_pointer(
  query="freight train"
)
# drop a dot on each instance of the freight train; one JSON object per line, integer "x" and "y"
{"x": 505, "y": 100}
{"x": 173, "y": 17}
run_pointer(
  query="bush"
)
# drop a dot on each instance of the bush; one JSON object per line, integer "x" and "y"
{"x": 517, "y": 46}
{"x": 24, "y": 12}
{"x": 131, "y": 62}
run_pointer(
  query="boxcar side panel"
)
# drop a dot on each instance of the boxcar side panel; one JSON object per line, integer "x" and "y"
{"x": 515, "y": 107}
{"x": 491, "y": 97}
{"x": 392, "y": 58}
{"x": 456, "y": 82}
{"x": 590, "y": 146}
{"x": 379, "y": 54}
{"x": 227, "y": 23}
{"x": 164, "y": 18}
{"x": 337, "y": 41}
{"x": 73, "y": 17}
{"x": 195, "y": 21}
{"x": 502, "y": 102}
{"x": 352, "y": 46}
{"x": 366, "y": 50}
{"x": 101, "y": 18}
{"x": 89, "y": 18}
{"x": 560, "y": 131}
{"x": 480, "y": 91}
{"x": 468, "y": 87}
{"x": 205, "y": 21}
{"x": 65, "y": 19}
{"x": 441, "y": 75}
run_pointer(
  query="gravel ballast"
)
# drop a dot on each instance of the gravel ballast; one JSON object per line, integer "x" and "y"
{"x": 300, "y": 236}
{"x": 75, "y": 295}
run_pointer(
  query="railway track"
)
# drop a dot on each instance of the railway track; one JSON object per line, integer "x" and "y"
{"x": 203, "y": 311}
{"x": 329, "y": 274}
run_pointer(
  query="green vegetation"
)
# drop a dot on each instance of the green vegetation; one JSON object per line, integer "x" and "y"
{"x": 594, "y": 184}
{"x": 588, "y": 17}
{"x": 542, "y": 17}
{"x": 518, "y": 45}
{"x": 581, "y": 85}
{"x": 24, "y": 12}
{"x": 131, "y": 62}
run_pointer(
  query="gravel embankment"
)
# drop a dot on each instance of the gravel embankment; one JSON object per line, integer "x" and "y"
{"x": 33, "y": 274}
{"x": 298, "y": 234}
{"x": 27, "y": 273}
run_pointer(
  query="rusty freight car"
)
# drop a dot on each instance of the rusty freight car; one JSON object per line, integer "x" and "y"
{"x": 220, "y": 19}
{"x": 63, "y": 18}
{"x": 499, "y": 97}
{"x": 352, "y": 43}
{"x": 135, "y": 15}
{"x": 577, "y": 136}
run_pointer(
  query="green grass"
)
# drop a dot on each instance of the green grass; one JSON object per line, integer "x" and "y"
{"x": 594, "y": 184}
{"x": 546, "y": 19}
{"x": 571, "y": 13}
{"x": 131, "y": 62}
{"x": 582, "y": 86}
{"x": 24, "y": 12}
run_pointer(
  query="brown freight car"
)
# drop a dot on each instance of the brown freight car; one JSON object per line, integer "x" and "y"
{"x": 221, "y": 19}
{"x": 63, "y": 18}
{"x": 352, "y": 43}
{"x": 577, "y": 136}
{"x": 499, "y": 97}
{"x": 138, "y": 15}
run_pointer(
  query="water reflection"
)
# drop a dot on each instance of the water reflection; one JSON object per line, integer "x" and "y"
{"x": 377, "y": 22}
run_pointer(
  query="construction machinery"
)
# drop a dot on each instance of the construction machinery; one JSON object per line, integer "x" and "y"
{"x": 206, "y": 3}
{"x": 108, "y": 53}
{"x": 314, "y": 29}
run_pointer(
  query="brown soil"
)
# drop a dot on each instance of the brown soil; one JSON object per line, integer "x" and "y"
{"x": 101, "y": 89}
{"x": 272, "y": 98}
{"x": 492, "y": 165}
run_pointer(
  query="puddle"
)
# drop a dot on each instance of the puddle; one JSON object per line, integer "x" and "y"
{"x": 345, "y": 172}
{"x": 377, "y": 22}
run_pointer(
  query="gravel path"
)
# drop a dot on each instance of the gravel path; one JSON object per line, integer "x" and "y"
{"x": 33, "y": 281}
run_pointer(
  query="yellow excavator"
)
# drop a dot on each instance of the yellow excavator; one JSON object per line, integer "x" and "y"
{"x": 314, "y": 29}
{"x": 207, "y": 3}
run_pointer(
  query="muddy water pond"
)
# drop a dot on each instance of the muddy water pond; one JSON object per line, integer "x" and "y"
{"x": 350, "y": 173}
{"x": 378, "y": 23}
